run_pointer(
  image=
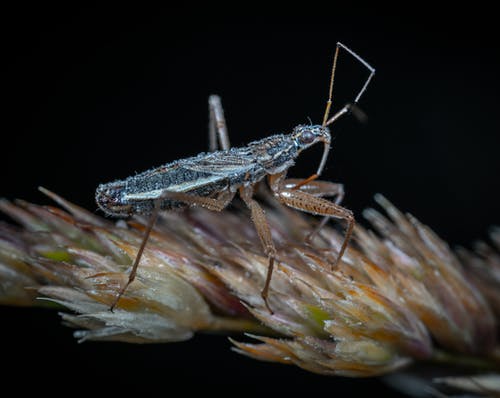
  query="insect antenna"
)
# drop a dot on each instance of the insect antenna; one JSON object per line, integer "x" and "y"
{"x": 347, "y": 107}
{"x": 330, "y": 89}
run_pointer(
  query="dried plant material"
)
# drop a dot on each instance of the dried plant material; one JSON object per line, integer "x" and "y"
{"x": 425, "y": 273}
{"x": 484, "y": 385}
{"x": 483, "y": 266}
{"x": 401, "y": 296}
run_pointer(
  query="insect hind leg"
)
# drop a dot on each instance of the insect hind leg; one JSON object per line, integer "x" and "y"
{"x": 145, "y": 238}
{"x": 214, "y": 204}
{"x": 217, "y": 128}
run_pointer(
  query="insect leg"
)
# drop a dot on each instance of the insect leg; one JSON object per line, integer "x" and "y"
{"x": 319, "y": 189}
{"x": 145, "y": 238}
{"x": 217, "y": 125}
{"x": 214, "y": 204}
{"x": 264, "y": 232}
{"x": 312, "y": 204}
{"x": 210, "y": 203}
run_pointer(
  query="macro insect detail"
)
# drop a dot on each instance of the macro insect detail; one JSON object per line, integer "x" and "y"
{"x": 212, "y": 179}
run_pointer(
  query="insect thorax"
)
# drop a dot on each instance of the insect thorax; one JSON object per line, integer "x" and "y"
{"x": 275, "y": 153}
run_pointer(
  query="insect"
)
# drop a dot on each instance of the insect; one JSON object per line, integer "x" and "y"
{"x": 212, "y": 179}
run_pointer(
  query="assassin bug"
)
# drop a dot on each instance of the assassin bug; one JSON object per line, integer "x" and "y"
{"x": 212, "y": 179}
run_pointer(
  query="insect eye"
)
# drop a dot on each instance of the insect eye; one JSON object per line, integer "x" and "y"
{"x": 306, "y": 137}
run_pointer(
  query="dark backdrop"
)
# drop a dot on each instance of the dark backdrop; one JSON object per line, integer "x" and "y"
{"x": 93, "y": 94}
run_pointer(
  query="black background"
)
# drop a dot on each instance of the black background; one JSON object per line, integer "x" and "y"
{"x": 93, "y": 94}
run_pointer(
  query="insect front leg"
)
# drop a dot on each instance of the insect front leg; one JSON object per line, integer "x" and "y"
{"x": 217, "y": 125}
{"x": 319, "y": 189}
{"x": 214, "y": 204}
{"x": 262, "y": 226}
{"x": 313, "y": 204}
{"x": 316, "y": 188}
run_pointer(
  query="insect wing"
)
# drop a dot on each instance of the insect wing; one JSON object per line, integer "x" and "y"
{"x": 222, "y": 163}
